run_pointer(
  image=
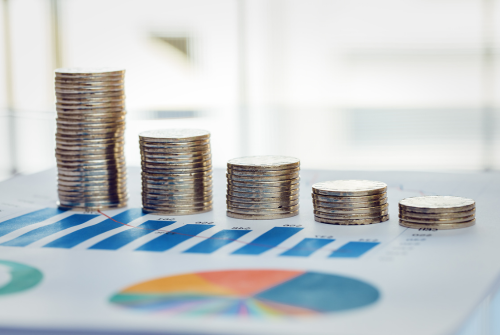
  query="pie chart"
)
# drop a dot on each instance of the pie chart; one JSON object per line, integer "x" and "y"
{"x": 248, "y": 293}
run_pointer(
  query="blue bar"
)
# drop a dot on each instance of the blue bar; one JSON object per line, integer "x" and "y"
{"x": 28, "y": 219}
{"x": 306, "y": 247}
{"x": 175, "y": 237}
{"x": 267, "y": 241}
{"x": 353, "y": 249}
{"x": 41, "y": 232}
{"x": 217, "y": 241}
{"x": 79, "y": 236}
{"x": 125, "y": 237}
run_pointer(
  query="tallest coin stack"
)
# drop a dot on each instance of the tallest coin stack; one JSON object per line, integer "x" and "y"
{"x": 89, "y": 138}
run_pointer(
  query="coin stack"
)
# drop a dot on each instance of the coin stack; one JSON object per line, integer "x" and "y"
{"x": 439, "y": 212}
{"x": 89, "y": 139}
{"x": 350, "y": 202}
{"x": 263, "y": 187}
{"x": 176, "y": 171}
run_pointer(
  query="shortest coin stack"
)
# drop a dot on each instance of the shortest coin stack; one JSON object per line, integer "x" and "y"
{"x": 263, "y": 187}
{"x": 438, "y": 212}
{"x": 176, "y": 171}
{"x": 350, "y": 202}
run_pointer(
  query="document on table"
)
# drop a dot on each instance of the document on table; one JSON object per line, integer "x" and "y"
{"x": 124, "y": 270}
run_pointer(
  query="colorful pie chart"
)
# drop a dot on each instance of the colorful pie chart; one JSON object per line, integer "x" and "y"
{"x": 248, "y": 293}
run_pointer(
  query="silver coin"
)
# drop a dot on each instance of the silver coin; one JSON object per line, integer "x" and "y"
{"x": 352, "y": 222}
{"x": 172, "y": 203}
{"x": 437, "y": 215}
{"x": 284, "y": 183}
{"x": 92, "y": 133}
{"x": 91, "y": 111}
{"x": 93, "y": 179}
{"x": 83, "y": 84}
{"x": 263, "y": 195}
{"x": 167, "y": 204}
{"x": 180, "y": 182}
{"x": 145, "y": 144}
{"x": 181, "y": 150}
{"x": 89, "y": 158}
{"x": 91, "y": 97}
{"x": 81, "y": 174}
{"x": 172, "y": 191}
{"x": 256, "y": 174}
{"x": 349, "y": 187}
{"x": 178, "y": 161}
{"x": 92, "y": 203}
{"x": 345, "y": 199}
{"x": 90, "y": 168}
{"x": 174, "y": 135}
{"x": 86, "y": 146}
{"x": 94, "y": 107}
{"x": 263, "y": 205}
{"x": 364, "y": 210}
{"x": 117, "y": 187}
{"x": 267, "y": 163}
{"x": 197, "y": 155}
{"x": 207, "y": 169}
{"x": 75, "y": 89}
{"x": 92, "y": 208}
{"x": 283, "y": 200}
{"x": 262, "y": 211}
{"x": 261, "y": 216}
{"x": 439, "y": 226}
{"x": 91, "y": 121}
{"x": 89, "y": 71}
{"x": 186, "y": 197}
{"x": 118, "y": 183}
{"x": 91, "y": 151}
{"x": 176, "y": 212}
{"x": 434, "y": 220}
{"x": 97, "y": 137}
{"x": 351, "y": 216}
{"x": 290, "y": 188}
{"x": 262, "y": 179}
{"x": 347, "y": 205}
{"x": 437, "y": 204}
{"x": 169, "y": 166}
{"x": 177, "y": 176}
{"x": 91, "y": 196}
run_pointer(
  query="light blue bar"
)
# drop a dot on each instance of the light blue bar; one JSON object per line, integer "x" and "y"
{"x": 306, "y": 247}
{"x": 125, "y": 237}
{"x": 169, "y": 240}
{"x": 41, "y": 232}
{"x": 22, "y": 221}
{"x": 267, "y": 241}
{"x": 79, "y": 236}
{"x": 353, "y": 249}
{"x": 214, "y": 243}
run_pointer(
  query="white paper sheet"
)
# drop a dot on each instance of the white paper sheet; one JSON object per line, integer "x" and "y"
{"x": 396, "y": 280}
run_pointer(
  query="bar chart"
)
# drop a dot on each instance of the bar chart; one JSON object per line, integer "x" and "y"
{"x": 155, "y": 235}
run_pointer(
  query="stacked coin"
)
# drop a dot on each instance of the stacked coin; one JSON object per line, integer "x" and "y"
{"x": 176, "y": 171}
{"x": 439, "y": 212}
{"x": 263, "y": 187}
{"x": 350, "y": 202}
{"x": 89, "y": 139}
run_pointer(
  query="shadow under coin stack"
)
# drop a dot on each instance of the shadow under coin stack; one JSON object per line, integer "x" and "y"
{"x": 350, "y": 202}
{"x": 263, "y": 187}
{"x": 438, "y": 212}
{"x": 176, "y": 171}
{"x": 89, "y": 138}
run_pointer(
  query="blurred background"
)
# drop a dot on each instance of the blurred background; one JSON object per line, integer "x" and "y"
{"x": 354, "y": 85}
{"x": 359, "y": 84}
